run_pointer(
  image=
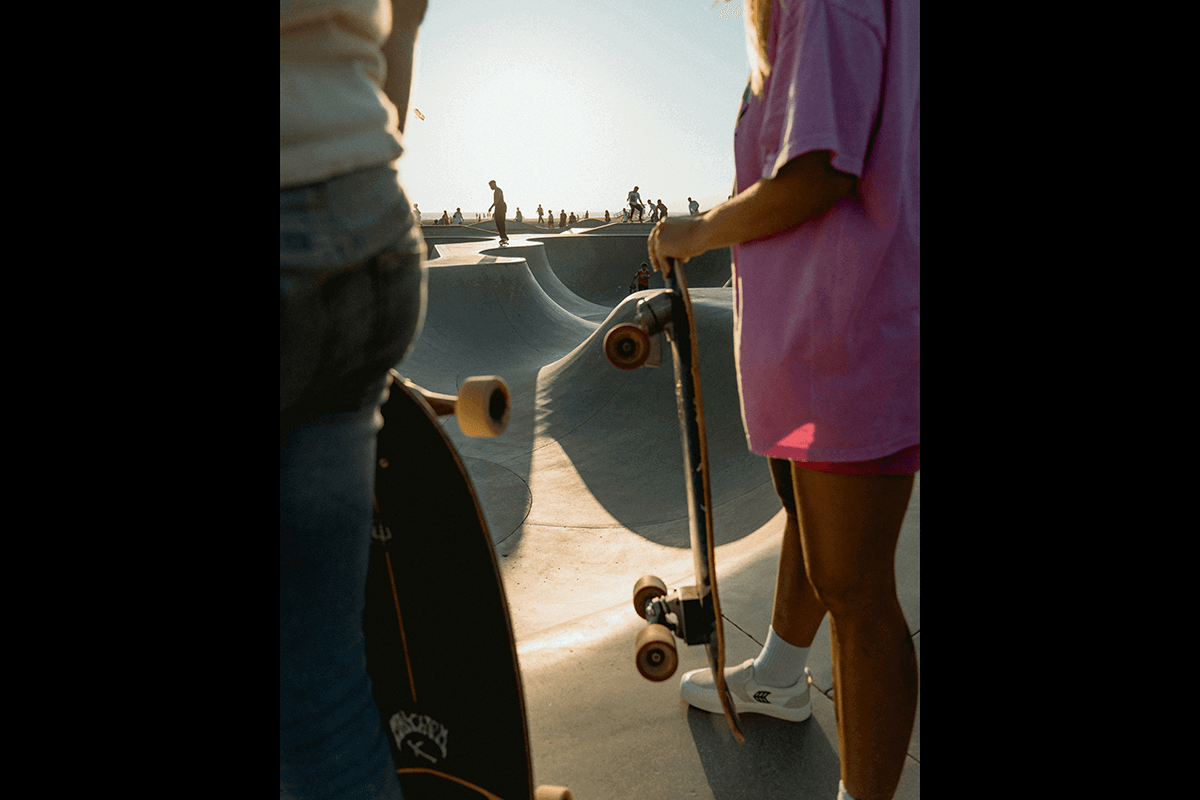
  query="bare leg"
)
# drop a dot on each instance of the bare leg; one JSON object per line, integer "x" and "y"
{"x": 849, "y": 526}
{"x": 798, "y": 613}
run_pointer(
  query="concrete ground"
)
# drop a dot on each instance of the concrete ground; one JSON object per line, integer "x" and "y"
{"x": 584, "y": 494}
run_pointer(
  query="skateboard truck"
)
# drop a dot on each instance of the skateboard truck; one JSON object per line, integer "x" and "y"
{"x": 694, "y": 622}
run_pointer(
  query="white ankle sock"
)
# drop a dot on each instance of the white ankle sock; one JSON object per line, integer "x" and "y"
{"x": 842, "y": 793}
{"x": 779, "y": 664}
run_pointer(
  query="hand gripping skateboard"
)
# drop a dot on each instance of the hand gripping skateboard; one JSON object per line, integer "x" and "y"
{"x": 438, "y": 637}
{"x": 692, "y": 613}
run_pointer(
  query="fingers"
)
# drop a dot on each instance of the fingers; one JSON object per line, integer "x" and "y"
{"x": 656, "y": 250}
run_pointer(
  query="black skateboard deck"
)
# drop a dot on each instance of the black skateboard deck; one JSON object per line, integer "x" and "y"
{"x": 696, "y": 610}
{"x": 439, "y": 641}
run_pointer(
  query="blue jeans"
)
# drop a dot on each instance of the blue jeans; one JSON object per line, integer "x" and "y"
{"x": 351, "y": 302}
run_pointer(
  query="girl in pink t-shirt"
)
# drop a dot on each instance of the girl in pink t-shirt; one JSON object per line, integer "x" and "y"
{"x": 825, "y": 234}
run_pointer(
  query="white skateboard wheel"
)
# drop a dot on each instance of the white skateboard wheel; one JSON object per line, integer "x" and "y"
{"x": 483, "y": 406}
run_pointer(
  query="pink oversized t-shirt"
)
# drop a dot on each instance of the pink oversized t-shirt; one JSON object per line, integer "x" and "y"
{"x": 828, "y": 314}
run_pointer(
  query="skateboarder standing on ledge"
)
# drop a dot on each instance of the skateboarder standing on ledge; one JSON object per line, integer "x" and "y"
{"x": 359, "y": 300}
{"x": 635, "y": 204}
{"x": 501, "y": 208}
{"x": 825, "y": 235}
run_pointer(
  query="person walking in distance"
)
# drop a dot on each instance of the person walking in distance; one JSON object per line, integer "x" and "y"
{"x": 824, "y": 228}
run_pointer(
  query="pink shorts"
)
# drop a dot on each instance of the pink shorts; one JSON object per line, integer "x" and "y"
{"x": 905, "y": 462}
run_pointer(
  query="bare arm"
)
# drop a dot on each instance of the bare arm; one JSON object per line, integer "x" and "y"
{"x": 805, "y": 188}
{"x": 398, "y": 50}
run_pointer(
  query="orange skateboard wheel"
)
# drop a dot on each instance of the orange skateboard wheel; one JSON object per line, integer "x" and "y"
{"x": 627, "y": 346}
{"x": 656, "y": 657}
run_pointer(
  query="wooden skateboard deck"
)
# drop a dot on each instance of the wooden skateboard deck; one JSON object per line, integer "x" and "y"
{"x": 439, "y": 641}
{"x": 697, "y": 609}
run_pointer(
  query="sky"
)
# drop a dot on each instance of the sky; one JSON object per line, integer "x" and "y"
{"x": 571, "y": 103}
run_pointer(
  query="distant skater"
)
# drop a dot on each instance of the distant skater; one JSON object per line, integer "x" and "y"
{"x": 641, "y": 280}
{"x": 457, "y": 218}
{"x": 635, "y": 204}
{"x": 606, "y": 218}
{"x": 541, "y": 215}
{"x": 661, "y": 209}
{"x": 562, "y": 220}
{"x": 653, "y": 213}
{"x": 518, "y": 217}
{"x": 693, "y": 206}
{"x": 501, "y": 208}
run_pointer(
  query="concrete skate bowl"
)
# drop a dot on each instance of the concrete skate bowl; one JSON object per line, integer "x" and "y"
{"x": 600, "y": 266}
{"x": 589, "y": 447}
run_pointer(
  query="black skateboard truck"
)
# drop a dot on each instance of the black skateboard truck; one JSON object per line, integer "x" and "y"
{"x": 668, "y": 613}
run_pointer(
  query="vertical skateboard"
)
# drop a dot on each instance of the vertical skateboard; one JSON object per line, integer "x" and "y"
{"x": 693, "y": 613}
{"x": 438, "y": 637}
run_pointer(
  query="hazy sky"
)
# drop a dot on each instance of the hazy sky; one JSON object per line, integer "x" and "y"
{"x": 571, "y": 104}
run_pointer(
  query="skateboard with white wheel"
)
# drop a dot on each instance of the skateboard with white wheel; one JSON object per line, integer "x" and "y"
{"x": 692, "y": 613}
{"x": 438, "y": 638}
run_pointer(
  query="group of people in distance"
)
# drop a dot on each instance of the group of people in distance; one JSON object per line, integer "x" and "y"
{"x": 543, "y": 219}
{"x": 658, "y": 211}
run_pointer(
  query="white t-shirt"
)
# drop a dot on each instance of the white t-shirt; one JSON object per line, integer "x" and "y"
{"x": 333, "y": 115}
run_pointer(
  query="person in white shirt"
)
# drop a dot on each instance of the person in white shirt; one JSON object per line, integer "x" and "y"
{"x": 635, "y": 204}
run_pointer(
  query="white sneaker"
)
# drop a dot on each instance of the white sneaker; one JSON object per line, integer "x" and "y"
{"x": 792, "y": 703}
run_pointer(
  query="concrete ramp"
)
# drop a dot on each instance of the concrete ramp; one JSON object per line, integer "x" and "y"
{"x": 487, "y": 315}
{"x": 600, "y": 268}
{"x": 592, "y": 445}
{"x": 534, "y": 253}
